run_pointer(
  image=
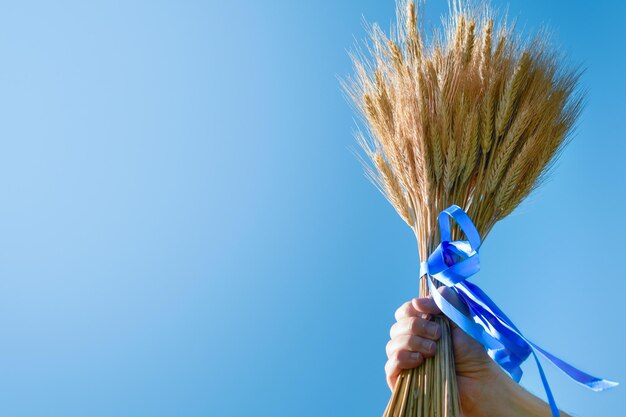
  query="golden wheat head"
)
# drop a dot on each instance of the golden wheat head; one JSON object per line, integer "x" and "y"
{"x": 474, "y": 117}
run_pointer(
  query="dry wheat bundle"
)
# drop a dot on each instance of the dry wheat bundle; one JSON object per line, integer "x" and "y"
{"x": 473, "y": 118}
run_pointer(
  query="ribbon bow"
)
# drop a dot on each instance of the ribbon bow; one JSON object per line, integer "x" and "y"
{"x": 452, "y": 263}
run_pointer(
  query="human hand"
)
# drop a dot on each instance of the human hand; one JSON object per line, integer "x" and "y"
{"x": 484, "y": 388}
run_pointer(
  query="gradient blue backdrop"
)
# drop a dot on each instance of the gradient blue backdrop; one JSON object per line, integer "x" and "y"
{"x": 184, "y": 230}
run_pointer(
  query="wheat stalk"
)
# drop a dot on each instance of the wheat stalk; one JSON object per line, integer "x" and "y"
{"x": 475, "y": 117}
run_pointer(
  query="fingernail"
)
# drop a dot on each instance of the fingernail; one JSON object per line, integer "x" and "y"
{"x": 429, "y": 346}
{"x": 433, "y": 329}
{"x": 415, "y": 356}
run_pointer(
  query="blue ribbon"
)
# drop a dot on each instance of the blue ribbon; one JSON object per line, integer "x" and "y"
{"x": 452, "y": 263}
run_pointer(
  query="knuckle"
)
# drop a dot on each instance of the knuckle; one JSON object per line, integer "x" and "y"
{"x": 388, "y": 347}
{"x": 387, "y": 367}
{"x": 404, "y": 342}
{"x": 393, "y": 329}
{"x": 417, "y": 326}
{"x": 396, "y": 356}
{"x": 413, "y": 324}
{"x": 401, "y": 311}
{"x": 391, "y": 367}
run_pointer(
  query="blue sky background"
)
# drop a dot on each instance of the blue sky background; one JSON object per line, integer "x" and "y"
{"x": 184, "y": 230}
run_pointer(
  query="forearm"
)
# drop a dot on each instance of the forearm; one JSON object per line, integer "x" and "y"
{"x": 522, "y": 403}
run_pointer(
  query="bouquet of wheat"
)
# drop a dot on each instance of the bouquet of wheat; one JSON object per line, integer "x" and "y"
{"x": 473, "y": 118}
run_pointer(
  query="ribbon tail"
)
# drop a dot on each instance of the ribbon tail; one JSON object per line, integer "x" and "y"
{"x": 583, "y": 378}
{"x": 588, "y": 381}
{"x": 546, "y": 386}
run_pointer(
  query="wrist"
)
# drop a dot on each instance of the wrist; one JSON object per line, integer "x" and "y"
{"x": 501, "y": 396}
{"x": 486, "y": 393}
